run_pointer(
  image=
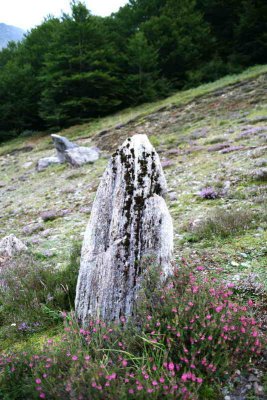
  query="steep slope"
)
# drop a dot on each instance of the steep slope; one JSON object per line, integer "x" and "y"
{"x": 9, "y": 33}
{"x": 213, "y": 145}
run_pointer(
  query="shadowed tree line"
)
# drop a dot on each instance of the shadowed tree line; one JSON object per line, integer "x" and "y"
{"x": 82, "y": 66}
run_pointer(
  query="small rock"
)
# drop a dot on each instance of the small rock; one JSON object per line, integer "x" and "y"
{"x": 43, "y": 163}
{"x": 53, "y": 214}
{"x": 258, "y": 390}
{"x": 231, "y": 149}
{"x": 2, "y": 184}
{"x": 33, "y": 228}
{"x": 173, "y": 196}
{"x": 227, "y": 398}
{"x": 86, "y": 210}
{"x": 253, "y": 378}
{"x": 11, "y": 245}
{"x": 11, "y": 188}
{"x": 46, "y": 232}
{"x": 218, "y": 147}
{"x": 167, "y": 163}
{"x": 27, "y": 164}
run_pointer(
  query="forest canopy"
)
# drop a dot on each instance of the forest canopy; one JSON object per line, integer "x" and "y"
{"x": 80, "y": 66}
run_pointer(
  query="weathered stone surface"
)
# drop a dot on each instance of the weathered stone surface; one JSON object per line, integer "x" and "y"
{"x": 11, "y": 245}
{"x": 33, "y": 228}
{"x": 81, "y": 155}
{"x": 129, "y": 222}
{"x": 50, "y": 215}
{"x": 43, "y": 163}
{"x": 62, "y": 144}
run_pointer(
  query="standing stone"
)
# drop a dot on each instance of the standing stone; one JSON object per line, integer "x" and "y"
{"x": 129, "y": 222}
{"x": 62, "y": 144}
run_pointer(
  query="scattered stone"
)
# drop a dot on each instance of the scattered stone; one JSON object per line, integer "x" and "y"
{"x": 258, "y": 390}
{"x": 260, "y": 174}
{"x": 259, "y": 163}
{"x": 53, "y": 214}
{"x": 11, "y": 188}
{"x": 27, "y": 164}
{"x": 129, "y": 224}
{"x": 253, "y": 378}
{"x": 86, "y": 210}
{"x": 62, "y": 145}
{"x": 231, "y": 149}
{"x": 173, "y": 196}
{"x": 218, "y": 147}
{"x": 173, "y": 152}
{"x": 23, "y": 178}
{"x": 11, "y": 245}
{"x": 46, "y": 232}
{"x": 2, "y": 184}
{"x": 199, "y": 133}
{"x": 167, "y": 163}
{"x": 33, "y": 228}
{"x": 43, "y": 163}
{"x": 193, "y": 149}
{"x": 81, "y": 155}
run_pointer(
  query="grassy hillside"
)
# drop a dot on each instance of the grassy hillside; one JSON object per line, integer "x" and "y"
{"x": 212, "y": 141}
{"x": 214, "y": 135}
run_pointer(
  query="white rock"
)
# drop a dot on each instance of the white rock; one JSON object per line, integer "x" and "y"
{"x": 11, "y": 245}
{"x": 43, "y": 163}
{"x": 129, "y": 222}
{"x": 81, "y": 155}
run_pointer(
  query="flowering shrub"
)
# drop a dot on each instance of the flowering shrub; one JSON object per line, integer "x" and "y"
{"x": 187, "y": 336}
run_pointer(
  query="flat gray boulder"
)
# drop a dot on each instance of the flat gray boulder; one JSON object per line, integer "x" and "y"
{"x": 45, "y": 162}
{"x": 129, "y": 224}
{"x": 10, "y": 246}
{"x": 81, "y": 155}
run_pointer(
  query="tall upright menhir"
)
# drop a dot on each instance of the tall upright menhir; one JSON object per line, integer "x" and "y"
{"x": 129, "y": 222}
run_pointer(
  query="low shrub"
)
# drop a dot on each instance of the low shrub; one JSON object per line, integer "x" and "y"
{"x": 186, "y": 340}
{"x": 222, "y": 223}
{"x": 32, "y": 295}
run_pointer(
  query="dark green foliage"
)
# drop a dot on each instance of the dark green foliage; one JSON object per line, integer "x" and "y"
{"x": 81, "y": 66}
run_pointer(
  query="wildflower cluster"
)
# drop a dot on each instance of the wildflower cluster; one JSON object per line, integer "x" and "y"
{"x": 189, "y": 334}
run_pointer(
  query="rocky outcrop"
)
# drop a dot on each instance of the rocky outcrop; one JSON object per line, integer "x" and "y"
{"x": 68, "y": 152}
{"x": 62, "y": 144}
{"x": 11, "y": 246}
{"x": 129, "y": 223}
{"x": 81, "y": 155}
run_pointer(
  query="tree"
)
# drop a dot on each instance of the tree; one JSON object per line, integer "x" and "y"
{"x": 78, "y": 74}
{"x": 143, "y": 80}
